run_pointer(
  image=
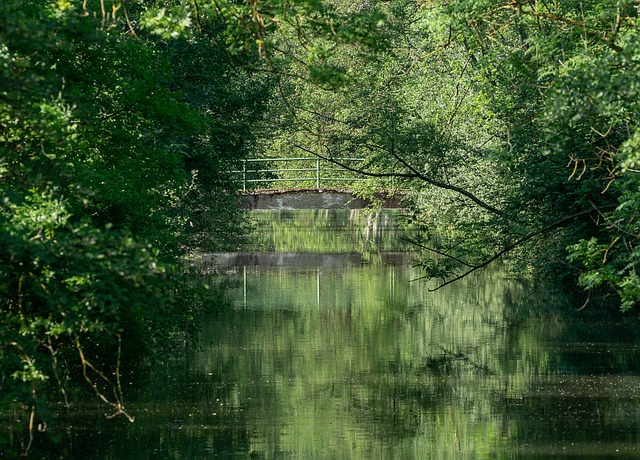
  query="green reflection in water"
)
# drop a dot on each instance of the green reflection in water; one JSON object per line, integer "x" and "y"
{"x": 329, "y": 231}
{"x": 343, "y": 356}
{"x": 378, "y": 368}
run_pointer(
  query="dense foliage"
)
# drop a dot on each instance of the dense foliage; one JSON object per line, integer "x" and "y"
{"x": 512, "y": 123}
{"x": 115, "y": 156}
{"x": 562, "y": 79}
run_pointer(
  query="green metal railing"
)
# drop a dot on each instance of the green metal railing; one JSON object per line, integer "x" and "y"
{"x": 296, "y": 172}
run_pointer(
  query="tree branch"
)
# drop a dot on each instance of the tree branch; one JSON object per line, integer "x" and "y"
{"x": 517, "y": 6}
{"x": 413, "y": 174}
{"x": 524, "y": 239}
{"x": 441, "y": 253}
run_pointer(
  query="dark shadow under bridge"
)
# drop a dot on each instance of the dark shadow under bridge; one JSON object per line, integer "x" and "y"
{"x": 289, "y": 199}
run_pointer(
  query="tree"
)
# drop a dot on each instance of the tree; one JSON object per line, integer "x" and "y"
{"x": 100, "y": 137}
{"x": 513, "y": 121}
{"x": 554, "y": 73}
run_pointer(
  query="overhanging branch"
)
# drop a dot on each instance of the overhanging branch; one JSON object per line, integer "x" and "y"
{"x": 412, "y": 174}
{"x": 512, "y": 246}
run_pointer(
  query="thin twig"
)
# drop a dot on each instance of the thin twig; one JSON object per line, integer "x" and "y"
{"x": 117, "y": 389}
{"x": 413, "y": 174}
{"x": 436, "y": 251}
{"x": 517, "y": 243}
{"x": 126, "y": 16}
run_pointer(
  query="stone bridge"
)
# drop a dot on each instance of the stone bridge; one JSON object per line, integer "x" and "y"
{"x": 290, "y": 199}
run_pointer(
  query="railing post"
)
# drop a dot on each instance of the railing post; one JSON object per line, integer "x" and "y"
{"x": 244, "y": 175}
{"x": 318, "y": 173}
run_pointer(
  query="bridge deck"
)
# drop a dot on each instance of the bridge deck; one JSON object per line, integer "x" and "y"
{"x": 308, "y": 198}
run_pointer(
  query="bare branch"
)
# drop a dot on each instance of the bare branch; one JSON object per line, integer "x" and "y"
{"x": 118, "y": 404}
{"x": 412, "y": 174}
{"x": 128, "y": 19}
{"x": 524, "y": 239}
{"x": 441, "y": 253}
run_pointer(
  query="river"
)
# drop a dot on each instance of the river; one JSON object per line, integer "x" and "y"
{"x": 330, "y": 348}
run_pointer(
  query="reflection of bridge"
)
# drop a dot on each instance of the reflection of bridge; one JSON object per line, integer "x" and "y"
{"x": 234, "y": 260}
{"x": 305, "y": 183}
{"x": 308, "y": 268}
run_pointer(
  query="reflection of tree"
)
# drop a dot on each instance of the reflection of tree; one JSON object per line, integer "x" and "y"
{"x": 586, "y": 403}
{"x": 375, "y": 366}
{"x": 447, "y": 360}
{"x": 180, "y": 413}
{"x": 373, "y": 370}
{"x": 575, "y": 415}
{"x": 379, "y": 366}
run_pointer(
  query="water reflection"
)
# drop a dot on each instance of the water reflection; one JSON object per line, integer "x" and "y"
{"x": 341, "y": 355}
{"x": 329, "y": 231}
{"x": 356, "y": 361}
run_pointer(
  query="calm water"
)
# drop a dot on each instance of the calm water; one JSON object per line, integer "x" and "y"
{"x": 330, "y": 350}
